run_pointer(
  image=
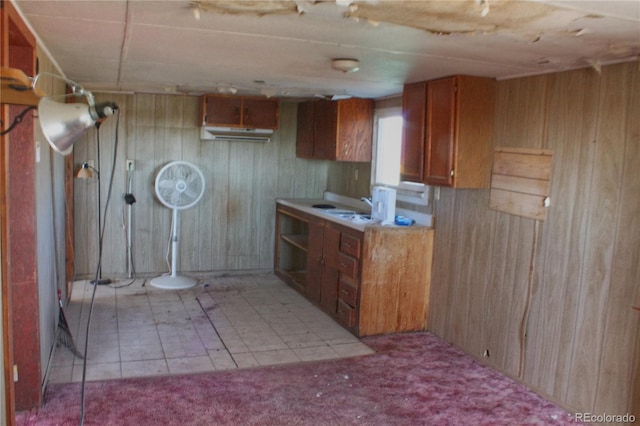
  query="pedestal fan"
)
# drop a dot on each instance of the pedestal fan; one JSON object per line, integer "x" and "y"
{"x": 179, "y": 185}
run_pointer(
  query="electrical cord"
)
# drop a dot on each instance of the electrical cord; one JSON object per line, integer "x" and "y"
{"x": 99, "y": 265}
{"x": 129, "y": 200}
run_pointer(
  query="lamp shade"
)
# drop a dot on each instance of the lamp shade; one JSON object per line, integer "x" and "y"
{"x": 84, "y": 172}
{"x": 63, "y": 124}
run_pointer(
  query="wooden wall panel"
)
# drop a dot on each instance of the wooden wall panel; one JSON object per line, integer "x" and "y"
{"x": 571, "y": 132}
{"x": 598, "y": 257}
{"x": 615, "y": 369}
{"x": 232, "y": 226}
{"x": 553, "y": 297}
{"x": 439, "y": 305}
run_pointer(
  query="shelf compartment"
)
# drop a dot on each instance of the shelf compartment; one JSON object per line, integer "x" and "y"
{"x": 300, "y": 241}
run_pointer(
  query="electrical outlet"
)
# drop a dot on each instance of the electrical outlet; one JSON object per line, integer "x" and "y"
{"x": 130, "y": 165}
{"x": 91, "y": 163}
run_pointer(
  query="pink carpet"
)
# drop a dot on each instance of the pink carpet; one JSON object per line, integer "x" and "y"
{"x": 413, "y": 379}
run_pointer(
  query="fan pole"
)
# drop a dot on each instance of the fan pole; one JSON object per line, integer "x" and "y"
{"x": 174, "y": 244}
{"x": 174, "y": 281}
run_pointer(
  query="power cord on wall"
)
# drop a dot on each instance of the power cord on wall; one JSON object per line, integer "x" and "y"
{"x": 99, "y": 265}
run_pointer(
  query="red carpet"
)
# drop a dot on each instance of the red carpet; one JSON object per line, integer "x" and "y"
{"x": 413, "y": 379}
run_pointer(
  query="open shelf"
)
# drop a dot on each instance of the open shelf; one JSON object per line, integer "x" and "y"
{"x": 300, "y": 241}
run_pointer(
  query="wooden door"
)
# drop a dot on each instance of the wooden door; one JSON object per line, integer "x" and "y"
{"x": 305, "y": 129}
{"x": 260, "y": 113}
{"x": 414, "y": 108}
{"x": 326, "y": 125}
{"x": 440, "y": 147}
{"x": 223, "y": 111}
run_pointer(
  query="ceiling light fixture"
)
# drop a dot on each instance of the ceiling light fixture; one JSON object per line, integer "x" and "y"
{"x": 345, "y": 65}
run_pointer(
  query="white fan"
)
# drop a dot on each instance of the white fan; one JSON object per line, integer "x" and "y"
{"x": 179, "y": 186}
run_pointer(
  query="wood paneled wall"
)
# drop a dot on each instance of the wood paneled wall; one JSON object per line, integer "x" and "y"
{"x": 231, "y": 227}
{"x": 550, "y": 302}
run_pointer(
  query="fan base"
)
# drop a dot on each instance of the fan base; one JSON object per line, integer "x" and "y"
{"x": 168, "y": 282}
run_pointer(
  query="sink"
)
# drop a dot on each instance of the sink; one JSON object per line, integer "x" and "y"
{"x": 338, "y": 212}
{"x": 354, "y": 217}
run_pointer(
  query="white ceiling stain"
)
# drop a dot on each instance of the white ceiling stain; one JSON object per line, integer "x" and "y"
{"x": 284, "y": 47}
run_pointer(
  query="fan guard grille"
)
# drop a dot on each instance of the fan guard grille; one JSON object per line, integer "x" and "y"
{"x": 179, "y": 185}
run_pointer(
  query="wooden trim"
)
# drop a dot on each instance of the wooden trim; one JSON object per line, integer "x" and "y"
{"x": 7, "y": 318}
{"x": 69, "y": 230}
{"x": 17, "y": 47}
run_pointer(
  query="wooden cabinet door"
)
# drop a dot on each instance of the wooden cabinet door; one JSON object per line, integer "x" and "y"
{"x": 326, "y": 128}
{"x": 414, "y": 108}
{"x": 305, "y": 129}
{"x": 330, "y": 276}
{"x": 441, "y": 121}
{"x": 223, "y": 111}
{"x": 315, "y": 260}
{"x": 354, "y": 129}
{"x": 260, "y": 113}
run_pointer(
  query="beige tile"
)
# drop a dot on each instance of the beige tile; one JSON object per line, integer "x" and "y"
{"x": 222, "y": 360}
{"x": 61, "y": 374}
{"x": 183, "y": 349}
{"x": 99, "y": 371}
{"x": 245, "y": 360}
{"x": 102, "y": 354}
{"x": 141, "y": 352}
{"x": 156, "y": 367}
{"x": 352, "y": 349}
{"x": 305, "y": 340}
{"x": 238, "y": 320}
{"x": 281, "y": 356}
{"x": 63, "y": 356}
{"x": 316, "y": 353}
{"x": 197, "y": 364}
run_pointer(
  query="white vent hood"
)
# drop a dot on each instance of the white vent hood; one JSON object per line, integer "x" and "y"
{"x": 215, "y": 133}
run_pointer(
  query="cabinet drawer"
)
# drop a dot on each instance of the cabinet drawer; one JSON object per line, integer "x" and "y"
{"x": 347, "y": 265}
{"x": 350, "y": 245}
{"x": 348, "y": 293}
{"x": 346, "y": 314}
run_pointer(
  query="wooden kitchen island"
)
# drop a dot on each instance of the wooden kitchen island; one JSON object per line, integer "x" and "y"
{"x": 372, "y": 279}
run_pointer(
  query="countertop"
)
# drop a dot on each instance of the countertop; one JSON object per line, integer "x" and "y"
{"x": 343, "y": 203}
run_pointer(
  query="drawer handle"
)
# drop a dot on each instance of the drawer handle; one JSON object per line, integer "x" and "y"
{"x": 344, "y": 265}
{"x": 347, "y": 245}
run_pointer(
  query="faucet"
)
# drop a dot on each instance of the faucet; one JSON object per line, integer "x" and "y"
{"x": 367, "y": 200}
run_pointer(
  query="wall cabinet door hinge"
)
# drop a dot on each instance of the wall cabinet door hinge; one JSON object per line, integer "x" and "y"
{"x": 451, "y": 173}
{"x": 15, "y": 372}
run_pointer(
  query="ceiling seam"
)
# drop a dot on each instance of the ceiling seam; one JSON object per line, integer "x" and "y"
{"x": 124, "y": 48}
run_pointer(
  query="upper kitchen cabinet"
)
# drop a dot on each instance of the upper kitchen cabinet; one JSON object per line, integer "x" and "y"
{"x": 414, "y": 113}
{"x": 240, "y": 111}
{"x": 452, "y": 146}
{"x": 335, "y": 130}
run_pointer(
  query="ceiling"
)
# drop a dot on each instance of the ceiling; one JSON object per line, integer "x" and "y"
{"x": 284, "y": 48}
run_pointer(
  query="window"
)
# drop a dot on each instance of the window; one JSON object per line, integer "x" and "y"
{"x": 386, "y": 162}
{"x": 388, "y": 144}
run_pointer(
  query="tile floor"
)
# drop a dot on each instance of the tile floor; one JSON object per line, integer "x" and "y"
{"x": 227, "y": 321}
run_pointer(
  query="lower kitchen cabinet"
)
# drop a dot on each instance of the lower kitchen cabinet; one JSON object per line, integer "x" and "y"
{"x": 374, "y": 281}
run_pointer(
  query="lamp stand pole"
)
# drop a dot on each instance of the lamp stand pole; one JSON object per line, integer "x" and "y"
{"x": 99, "y": 280}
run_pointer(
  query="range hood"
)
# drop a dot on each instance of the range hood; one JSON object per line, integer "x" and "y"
{"x": 215, "y": 133}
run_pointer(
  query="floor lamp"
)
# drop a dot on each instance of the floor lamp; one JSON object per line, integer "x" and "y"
{"x": 86, "y": 172}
